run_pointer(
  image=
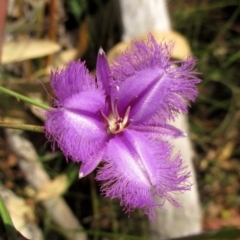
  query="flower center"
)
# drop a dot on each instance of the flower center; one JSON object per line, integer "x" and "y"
{"x": 115, "y": 123}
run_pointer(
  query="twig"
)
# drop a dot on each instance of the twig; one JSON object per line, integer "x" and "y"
{"x": 26, "y": 127}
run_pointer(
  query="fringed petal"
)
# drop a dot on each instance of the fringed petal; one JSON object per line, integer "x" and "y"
{"x": 137, "y": 170}
{"x": 77, "y": 134}
{"x": 143, "y": 91}
{"x": 151, "y": 84}
{"x": 74, "y": 79}
{"x": 78, "y": 129}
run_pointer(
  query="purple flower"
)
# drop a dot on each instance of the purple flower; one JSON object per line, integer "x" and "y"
{"x": 121, "y": 118}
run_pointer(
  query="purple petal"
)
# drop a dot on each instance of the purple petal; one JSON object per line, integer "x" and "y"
{"x": 88, "y": 166}
{"x": 78, "y": 129}
{"x": 72, "y": 80}
{"x": 144, "y": 91}
{"x": 91, "y": 101}
{"x": 161, "y": 132}
{"x": 149, "y": 82}
{"x": 104, "y": 75}
{"x": 137, "y": 169}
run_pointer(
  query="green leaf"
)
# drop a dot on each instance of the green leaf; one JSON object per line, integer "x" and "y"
{"x": 11, "y": 231}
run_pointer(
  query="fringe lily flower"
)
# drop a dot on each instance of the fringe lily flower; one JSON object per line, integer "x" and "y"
{"x": 121, "y": 118}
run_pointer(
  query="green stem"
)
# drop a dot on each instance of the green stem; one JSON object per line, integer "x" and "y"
{"x": 21, "y": 126}
{"x": 10, "y": 229}
{"x": 23, "y": 98}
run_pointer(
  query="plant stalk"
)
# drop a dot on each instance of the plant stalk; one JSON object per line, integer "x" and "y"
{"x": 23, "y": 98}
{"x": 20, "y": 126}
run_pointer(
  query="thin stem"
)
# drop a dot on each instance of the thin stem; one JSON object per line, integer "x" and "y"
{"x": 23, "y": 98}
{"x": 10, "y": 229}
{"x": 20, "y": 126}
